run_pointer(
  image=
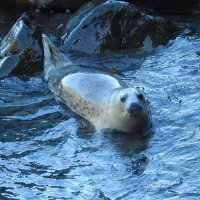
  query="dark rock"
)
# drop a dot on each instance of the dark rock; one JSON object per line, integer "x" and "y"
{"x": 114, "y": 25}
{"x": 22, "y": 4}
{"x": 7, "y": 19}
{"x": 181, "y": 6}
{"x": 21, "y": 49}
{"x": 51, "y": 24}
{"x": 60, "y": 5}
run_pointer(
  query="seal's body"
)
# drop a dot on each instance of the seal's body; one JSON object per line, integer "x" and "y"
{"x": 100, "y": 98}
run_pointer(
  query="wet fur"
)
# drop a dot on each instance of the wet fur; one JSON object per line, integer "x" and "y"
{"x": 103, "y": 115}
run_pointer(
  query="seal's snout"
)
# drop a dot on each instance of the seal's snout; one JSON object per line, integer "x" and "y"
{"x": 134, "y": 108}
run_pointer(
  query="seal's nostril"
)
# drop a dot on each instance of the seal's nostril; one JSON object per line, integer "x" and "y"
{"x": 134, "y": 107}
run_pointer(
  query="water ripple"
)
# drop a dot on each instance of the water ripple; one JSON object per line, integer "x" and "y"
{"x": 46, "y": 154}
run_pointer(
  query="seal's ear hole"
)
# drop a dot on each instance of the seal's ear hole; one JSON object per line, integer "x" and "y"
{"x": 140, "y": 96}
{"x": 123, "y": 98}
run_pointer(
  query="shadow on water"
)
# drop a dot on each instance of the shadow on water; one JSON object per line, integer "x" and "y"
{"x": 132, "y": 146}
{"x": 106, "y": 61}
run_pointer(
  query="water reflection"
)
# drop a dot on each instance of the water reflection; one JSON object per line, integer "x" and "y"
{"x": 46, "y": 153}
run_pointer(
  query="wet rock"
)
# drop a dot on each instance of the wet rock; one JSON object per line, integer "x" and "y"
{"x": 21, "y": 49}
{"x": 114, "y": 25}
{"x": 51, "y": 24}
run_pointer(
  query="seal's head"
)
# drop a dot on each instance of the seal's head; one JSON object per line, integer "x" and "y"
{"x": 131, "y": 109}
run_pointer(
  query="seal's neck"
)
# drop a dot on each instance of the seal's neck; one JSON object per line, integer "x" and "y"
{"x": 108, "y": 115}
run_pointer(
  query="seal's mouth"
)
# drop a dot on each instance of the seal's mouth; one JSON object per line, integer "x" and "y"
{"x": 137, "y": 114}
{"x": 138, "y": 121}
{"x": 135, "y": 109}
{"x": 138, "y": 118}
{"x": 134, "y": 121}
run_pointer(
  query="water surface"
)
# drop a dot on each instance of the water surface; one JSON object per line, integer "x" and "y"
{"x": 45, "y": 154}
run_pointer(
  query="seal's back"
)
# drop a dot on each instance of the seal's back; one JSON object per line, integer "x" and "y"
{"x": 93, "y": 87}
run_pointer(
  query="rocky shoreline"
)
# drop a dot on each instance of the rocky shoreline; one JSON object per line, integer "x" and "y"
{"x": 96, "y": 27}
{"x": 62, "y": 5}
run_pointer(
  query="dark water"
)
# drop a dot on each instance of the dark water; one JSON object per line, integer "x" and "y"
{"x": 44, "y": 154}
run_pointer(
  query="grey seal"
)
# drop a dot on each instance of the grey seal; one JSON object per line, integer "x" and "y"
{"x": 100, "y": 98}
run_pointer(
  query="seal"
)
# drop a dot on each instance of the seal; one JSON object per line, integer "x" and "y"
{"x": 100, "y": 98}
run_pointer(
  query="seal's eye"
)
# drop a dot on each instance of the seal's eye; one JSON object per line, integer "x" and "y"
{"x": 123, "y": 99}
{"x": 140, "y": 96}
